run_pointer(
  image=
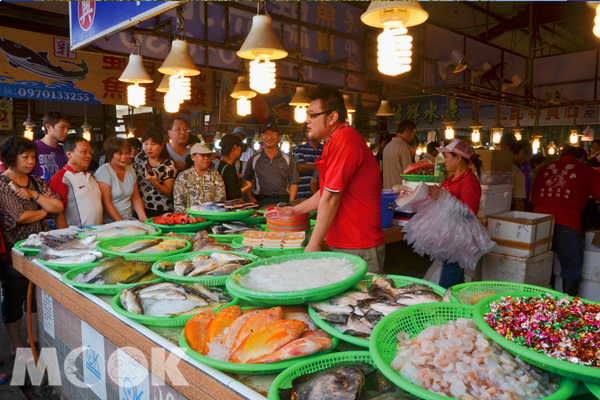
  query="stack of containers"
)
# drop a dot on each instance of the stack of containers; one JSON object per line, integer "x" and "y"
{"x": 523, "y": 252}
{"x": 590, "y": 286}
{"x": 299, "y": 223}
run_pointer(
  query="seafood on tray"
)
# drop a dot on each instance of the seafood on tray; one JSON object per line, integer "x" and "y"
{"x": 457, "y": 360}
{"x": 121, "y": 229}
{"x": 76, "y": 251}
{"x": 233, "y": 228}
{"x": 151, "y": 246}
{"x": 202, "y": 242}
{"x": 167, "y": 299}
{"x": 223, "y": 206}
{"x": 177, "y": 219}
{"x": 255, "y": 336}
{"x": 356, "y": 311}
{"x": 217, "y": 264}
{"x": 117, "y": 271}
{"x": 423, "y": 167}
{"x": 35, "y": 240}
{"x": 345, "y": 380}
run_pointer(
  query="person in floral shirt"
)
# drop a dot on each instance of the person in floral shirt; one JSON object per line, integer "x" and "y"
{"x": 198, "y": 184}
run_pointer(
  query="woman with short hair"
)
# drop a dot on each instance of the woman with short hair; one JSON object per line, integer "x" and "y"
{"x": 117, "y": 181}
{"x": 231, "y": 150}
{"x": 25, "y": 201}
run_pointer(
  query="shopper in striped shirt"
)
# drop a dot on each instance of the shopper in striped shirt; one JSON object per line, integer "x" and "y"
{"x": 306, "y": 154}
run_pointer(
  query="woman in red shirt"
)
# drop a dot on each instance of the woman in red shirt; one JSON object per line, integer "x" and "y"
{"x": 464, "y": 185}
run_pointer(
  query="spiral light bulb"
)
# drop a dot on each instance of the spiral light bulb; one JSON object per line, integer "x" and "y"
{"x": 136, "y": 95}
{"x": 300, "y": 114}
{"x": 475, "y": 136}
{"x": 449, "y": 133}
{"x": 596, "y": 29}
{"x": 350, "y": 118}
{"x": 87, "y": 135}
{"x": 573, "y": 139}
{"x": 180, "y": 87}
{"x": 171, "y": 106}
{"x": 394, "y": 50}
{"x": 285, "y": 147}
{"x": 262, "y": 75}
{"x": 535, "y": 145}
{"x": 517, "y": 136}
{"x": 28, "y": 134}
{"x": 244, "y": 107}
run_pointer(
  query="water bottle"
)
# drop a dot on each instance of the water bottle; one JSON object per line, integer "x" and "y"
{"x": 439, "y": 172}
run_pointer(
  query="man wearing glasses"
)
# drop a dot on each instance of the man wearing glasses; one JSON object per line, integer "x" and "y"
{"x": 349, "y": 197}
{"x": 179, "y": 135}
{"x": 273, "y": 174}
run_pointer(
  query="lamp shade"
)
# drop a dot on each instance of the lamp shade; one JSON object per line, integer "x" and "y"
{"x": 348, "y": 103}
{"x": 385, "y": 109}
{"x": 86, "y": 126}
{"x": 135, "y": 72}
{"x": 242, "y": 89}
{"x": 410, "y": 13}
{"x": 300, "y": 98}
{"x": 164, "y": 85}
{"x": 179, "y": 61}
{"x": 262, "y": 41}
{"x": 218, "y": 136}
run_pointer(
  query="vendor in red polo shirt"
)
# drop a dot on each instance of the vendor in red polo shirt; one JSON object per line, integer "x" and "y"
{"x": 349, "y": 199}
{"x": 464, "y": 185}
{"x": 563, "y": 188}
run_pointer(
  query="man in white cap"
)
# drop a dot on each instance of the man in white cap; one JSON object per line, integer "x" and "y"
{"x": 198, "y": 184}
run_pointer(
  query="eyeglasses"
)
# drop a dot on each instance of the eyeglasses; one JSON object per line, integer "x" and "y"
{"x": 185, "y": 130}
{"x": 315, "y": 115}
{"x": 271, "y": 133}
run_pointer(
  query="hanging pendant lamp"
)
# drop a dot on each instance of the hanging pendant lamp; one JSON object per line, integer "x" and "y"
{"x": 262, "y": 46}
{"x": 28, "y": 124}
{"x": 301, "y": 102}
{"x": 517, "y": 130}
{"x": 349, "y": 108}
{"x": 87, "y": 128}
{"x": 136, "y": 73}
{"x": 180, "y": 66}
{"x": 163, "y": 87}
{"x": 242, "y": 92}
{"x": 385, "y": 109}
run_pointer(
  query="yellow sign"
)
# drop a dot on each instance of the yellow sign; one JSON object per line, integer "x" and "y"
{"x": 5, "y": 115}
{"x": 39, "y": 66}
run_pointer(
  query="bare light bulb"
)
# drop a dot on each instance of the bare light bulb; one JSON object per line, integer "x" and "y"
{"x": 497, "y": 137}
{"x": 475, "y": 136}
{"x": 300, "y": 114}
{"x": 535, "y": 145}
{"x": 256, "y": 146}
{"x": 28, "y": 134}
{"x": 419, "y": 150}
{"x": 244, "y": 107}
{"x": 573, "y": 139}
{"x": 517, "y": 136}
{"x": 171, "y": 106}
{"x": 449, "y": 133}
{"x": 180, "y": 87}
{"x": 394, "y": 50}
{"x": 136, "y": 95}
{"x": 285, "y": 147}
{"x": 87, "y": 135}
{"x": 350, "y": 118}
{"x": 262, "y": 75}
{"x": 596, "y": 29}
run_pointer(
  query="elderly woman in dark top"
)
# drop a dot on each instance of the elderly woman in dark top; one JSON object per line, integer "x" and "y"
{"x": 25, "y": 201}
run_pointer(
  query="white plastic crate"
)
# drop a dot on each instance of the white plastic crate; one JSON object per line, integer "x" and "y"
{"x": 521, "y": 234}
{"x": 534, "y": 271}
{"x": 494, "y": 199}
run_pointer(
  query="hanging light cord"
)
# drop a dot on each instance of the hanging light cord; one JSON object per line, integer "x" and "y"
{"x": 134, "y": 43}
{"x": 180, "y": 23}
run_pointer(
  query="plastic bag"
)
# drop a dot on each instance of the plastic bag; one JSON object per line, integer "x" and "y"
{"x": 418, "y": 199}
{"x": 425, "y": 163}
{"x": 448, "y": 230}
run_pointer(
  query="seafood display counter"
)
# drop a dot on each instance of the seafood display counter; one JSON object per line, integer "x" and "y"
{"x": 65, "y": 314}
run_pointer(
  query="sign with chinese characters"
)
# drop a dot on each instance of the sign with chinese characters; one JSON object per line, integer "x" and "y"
{"x": 429, "y": 112}
{"x": 94, "y": 364}
{"x": 40, "y": 66}
{"x": 5, "y": 115}
{"x": 92, "y": 20}
{"x": 48, "y": 313}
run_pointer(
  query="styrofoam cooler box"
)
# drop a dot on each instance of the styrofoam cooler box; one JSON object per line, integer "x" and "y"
{"x": 591, "y": 266}
{"x": 589, "y": 236}
{"x": 521, "y": 234}
{"x": 534, "y": 271}
{"x": 484, "y": 221}
{"x": 494, "y": 199}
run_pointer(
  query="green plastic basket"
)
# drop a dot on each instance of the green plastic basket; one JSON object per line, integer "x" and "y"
{"x": 164, "y": 322}
{"x": 400, "y": 281}
{"x": 414, "y": 319}
{"x": 248, "y": 369}
{"x": 231, "y": 237}
{"x": 106, "y": 245}
{"x": 284, "y": 379}
{"x": 268, "y": 252}
{"x": 97, "y": 289}
{"x": 26, "y": 250}
{"x": 67, "y": 267}
{"x": 101, "y": 239}
{"x": 254, "y": 220}
{"x": 300, "y": 296}
{"x": 206, "y": 280}
{"x": 221, "y": 216}
{"x": 181, "y": 228}
{"x": 499, "y": 287}
{"x": 418, "y": 178}
{"x": 564, "y": 368}
{"x": 593, "y": 388}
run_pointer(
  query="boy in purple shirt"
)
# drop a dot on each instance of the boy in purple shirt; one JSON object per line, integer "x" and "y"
{"x": 51, "y": 156}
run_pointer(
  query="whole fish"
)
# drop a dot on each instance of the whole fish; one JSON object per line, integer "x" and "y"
{"x": 165, "y": 266}
{"x": 164, "y": 294}
{"x": 136, "y": 246}
{"x": 121, "y": 272}
{"x": 198, "y": 309}
{"x": 77, "y": 243}
{"x": 213, "y": 293}
{"x": 324, "y": 306}
{"x": 201, "y": 268}
{"x": 182, "y": 268}
{"x": 121, "y": 231}
{"x": 149, "y": 276}
{"x": 343, "y": 383}
{"x": 356, "y": 327}
{"x": 130, "y": 302}
{"x": 418, "y": 297}
{"x": 225, "y": 269}
{"x": 80, "y": 259}
{"x": 383, "y": 306}
{"x": 45, "y": 250}
{"x": 297, "y": 348}
{"x": 227, "y": 257}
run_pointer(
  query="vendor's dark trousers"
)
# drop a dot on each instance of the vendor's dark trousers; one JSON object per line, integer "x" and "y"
{"x": 452, "y": 274}
{"x": 567, "y": 243}
{"x": 14, "y": 291}
{"x": 271, "y": 200}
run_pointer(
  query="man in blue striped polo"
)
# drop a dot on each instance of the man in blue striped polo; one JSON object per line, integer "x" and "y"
{"x": 306, "y": 154}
